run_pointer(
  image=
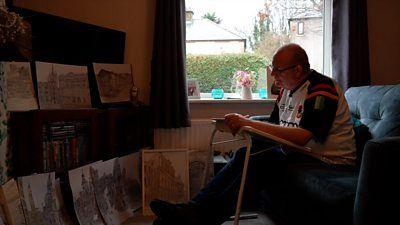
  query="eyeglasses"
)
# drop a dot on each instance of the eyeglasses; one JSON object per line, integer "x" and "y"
{"x": 281, "y": 70}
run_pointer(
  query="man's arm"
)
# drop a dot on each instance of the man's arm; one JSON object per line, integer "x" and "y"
{"x": 298, "y": 136}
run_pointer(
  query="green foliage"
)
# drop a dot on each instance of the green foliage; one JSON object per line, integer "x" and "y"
{"x": 213, "y": 17}
{"x": 216, "y": 71}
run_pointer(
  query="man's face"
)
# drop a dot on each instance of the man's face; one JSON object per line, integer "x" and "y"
{"x": 287, "y": 74}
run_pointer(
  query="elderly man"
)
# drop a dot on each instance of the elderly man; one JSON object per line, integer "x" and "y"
{"x": 310, "y": 111}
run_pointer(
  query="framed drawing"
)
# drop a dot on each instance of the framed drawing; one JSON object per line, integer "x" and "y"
{"x": 110, "y": 192}
{"x": 165, "y": 176}
{"x": 114, "y": 82}
{"x": 19, "y": 91}
{"x": 62, "y": 86}
{"x": 84, "y": 199}
{"x": 193, "y": 89}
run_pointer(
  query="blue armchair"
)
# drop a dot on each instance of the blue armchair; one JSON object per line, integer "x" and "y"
{"x": 346, "y": 195}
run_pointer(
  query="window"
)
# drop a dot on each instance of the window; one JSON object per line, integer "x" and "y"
{"x": 223, "y": 36}
{"x": 300, "y": 28}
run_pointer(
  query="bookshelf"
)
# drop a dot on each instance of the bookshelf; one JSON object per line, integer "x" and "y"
{"x": 43, "y": 140}
{"x": 52, "y": 140}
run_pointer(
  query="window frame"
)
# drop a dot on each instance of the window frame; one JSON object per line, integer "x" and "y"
{"x": 327, "y": 56}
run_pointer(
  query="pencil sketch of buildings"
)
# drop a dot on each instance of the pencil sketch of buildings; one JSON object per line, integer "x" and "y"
{"x": 84, "y": 200}
{"x": 19, "y": 91}
{"x": 11, "y": 203}
{"x": 114, "y": 82}
{"x": 62, "y": 86}
{"x": 110, "y": 192}
{"x": 130, "y": 165}
{"x": 38, "y": 199}
{"x": 165, "y": 176}
{"x": 197, "y": 165}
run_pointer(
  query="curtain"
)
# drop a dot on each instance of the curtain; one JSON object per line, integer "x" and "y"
{"x": 168, "y": 98}
{"x": 350, "y": 49}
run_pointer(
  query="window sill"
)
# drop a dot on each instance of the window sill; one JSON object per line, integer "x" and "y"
{"x": 206, "y": 108}
{"x": 228, "y": 101}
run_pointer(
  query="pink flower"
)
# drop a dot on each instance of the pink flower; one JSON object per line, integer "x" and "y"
{"x": 244, "y": 78}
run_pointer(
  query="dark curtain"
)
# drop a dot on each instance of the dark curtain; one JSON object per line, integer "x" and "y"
{"x": 350, "y": 49}
{"x": 168, "y": 98}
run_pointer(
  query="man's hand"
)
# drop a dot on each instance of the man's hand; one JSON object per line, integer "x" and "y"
{"x": 236, "y": 121}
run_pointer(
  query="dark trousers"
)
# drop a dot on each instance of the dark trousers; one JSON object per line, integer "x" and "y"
{"x": 267, "y": 169}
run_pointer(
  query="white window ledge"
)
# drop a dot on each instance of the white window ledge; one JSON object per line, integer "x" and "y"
{"x": 229, "y": 98}
{"x": 206, "y": 108}
{"x": 229, "y": 101}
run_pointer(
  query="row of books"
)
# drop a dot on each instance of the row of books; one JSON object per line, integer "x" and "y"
{"x": 65, "y": 145}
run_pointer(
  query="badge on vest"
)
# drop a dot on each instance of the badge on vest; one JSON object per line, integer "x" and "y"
{"x": 319, "y": 103}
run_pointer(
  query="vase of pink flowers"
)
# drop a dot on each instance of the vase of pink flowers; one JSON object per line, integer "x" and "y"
{"x": 245, "y": 79}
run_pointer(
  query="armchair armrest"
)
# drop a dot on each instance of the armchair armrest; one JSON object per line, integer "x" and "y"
{"x": 378, "y": 184}
{"x": 260, "y": 117}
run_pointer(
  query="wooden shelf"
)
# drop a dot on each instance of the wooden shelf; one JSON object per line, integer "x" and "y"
{"x": 112, "y": 132}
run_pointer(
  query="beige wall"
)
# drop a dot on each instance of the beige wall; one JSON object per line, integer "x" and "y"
{"x": 135, "y": 17}
{"x": 384, "y": 40}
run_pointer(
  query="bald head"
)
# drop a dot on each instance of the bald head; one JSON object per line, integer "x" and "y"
{"x": 292, "y": 54}
{"x": 290, "y": 66}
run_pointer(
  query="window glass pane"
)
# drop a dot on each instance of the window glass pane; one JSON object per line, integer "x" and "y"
{"x": 226, "y": 36}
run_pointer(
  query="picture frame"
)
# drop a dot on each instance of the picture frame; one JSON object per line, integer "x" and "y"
{"x": 165, "y": 176}
{"x": 115, "y": 83}
{"x": 193, "y": 89}
{"x": 18, "y": 85}
{"x": 62, "y": 86}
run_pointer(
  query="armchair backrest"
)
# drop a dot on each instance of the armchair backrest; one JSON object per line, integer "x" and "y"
{"x": 378, "y": 107}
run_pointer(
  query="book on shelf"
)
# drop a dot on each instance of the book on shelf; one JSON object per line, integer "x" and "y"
{"x": 64, "y": 145}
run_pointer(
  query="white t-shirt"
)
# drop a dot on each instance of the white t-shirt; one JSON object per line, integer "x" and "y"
{"x": 318, "y": 105}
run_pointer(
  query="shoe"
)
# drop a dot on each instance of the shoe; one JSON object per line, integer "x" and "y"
{"x": 182, "y": 214}
{"x": 162, "y": 208}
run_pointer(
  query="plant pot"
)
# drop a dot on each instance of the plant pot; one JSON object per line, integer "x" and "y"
{"x": 246, "y": 93}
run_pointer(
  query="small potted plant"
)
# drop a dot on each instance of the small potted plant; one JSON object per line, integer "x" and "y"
{"x": 245, "y": 79}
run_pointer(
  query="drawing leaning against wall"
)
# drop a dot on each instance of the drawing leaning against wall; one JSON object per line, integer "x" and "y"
{"x": 84, "y": 200}
{"x": 165, "y": 176}
{"x": 109, "y": 190}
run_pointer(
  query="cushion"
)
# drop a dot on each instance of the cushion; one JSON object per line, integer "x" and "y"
{"x": 378, "y": 107}
{"x": 361, "y": 135}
